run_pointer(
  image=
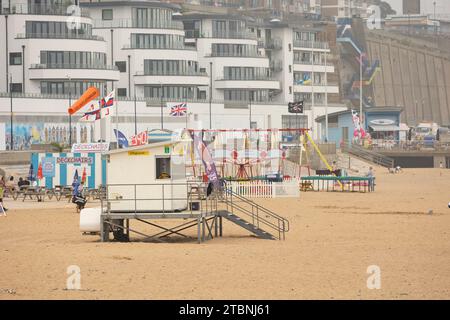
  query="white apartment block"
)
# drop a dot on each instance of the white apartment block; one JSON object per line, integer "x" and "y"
{"x": 233, "y": 72}
{"x": 342, "y": 8}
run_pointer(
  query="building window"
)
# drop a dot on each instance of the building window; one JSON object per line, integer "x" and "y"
{"x": 162, "y": 167}
{"x": 201, "y": 95}
{"x": 107, "y": 14}
{"x": 122, "y": 66}
{"x": 16, "y": 87}
{"x": 122, "y": 92}
{"x": 15, "y": 58}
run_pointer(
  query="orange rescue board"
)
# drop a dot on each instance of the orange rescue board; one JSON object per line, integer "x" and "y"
{"x": 90, "y": 94}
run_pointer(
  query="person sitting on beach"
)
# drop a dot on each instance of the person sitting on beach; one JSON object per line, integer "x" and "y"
{"x": 2, "y": 191}
{"x": 22, "y": 183}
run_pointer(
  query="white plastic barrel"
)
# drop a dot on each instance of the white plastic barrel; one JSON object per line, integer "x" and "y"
{"x": 90, "y": 220}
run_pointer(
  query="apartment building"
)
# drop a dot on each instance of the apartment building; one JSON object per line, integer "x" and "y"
{"x": 45, "y": 53}
{"x": 233, "y": 71}
{"x": 342, "y": 8}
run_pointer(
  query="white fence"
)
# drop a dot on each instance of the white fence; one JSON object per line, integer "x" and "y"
{"x": 265, "y": 189}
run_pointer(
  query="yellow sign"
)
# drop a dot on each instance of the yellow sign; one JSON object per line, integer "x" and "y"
{"x": 138, "y": 153}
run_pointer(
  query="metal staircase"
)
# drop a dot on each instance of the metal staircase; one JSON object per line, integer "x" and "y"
{"x": 259, "y": 220}
{"x": 368, "y": 155}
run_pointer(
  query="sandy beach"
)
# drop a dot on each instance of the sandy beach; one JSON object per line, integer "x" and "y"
{"x": 334, "y": 237}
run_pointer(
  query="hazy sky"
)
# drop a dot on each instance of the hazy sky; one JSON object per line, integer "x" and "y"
{"x": 442, "y": 6}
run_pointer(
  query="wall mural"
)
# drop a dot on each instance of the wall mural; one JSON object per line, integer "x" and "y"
{"x": 26, "y": 134}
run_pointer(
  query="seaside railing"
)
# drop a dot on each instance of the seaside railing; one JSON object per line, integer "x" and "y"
{"x": 333, "y": 183}
{"x": 365, "y": 154}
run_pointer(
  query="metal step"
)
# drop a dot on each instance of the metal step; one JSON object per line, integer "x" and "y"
{"x": 246, "y": 225}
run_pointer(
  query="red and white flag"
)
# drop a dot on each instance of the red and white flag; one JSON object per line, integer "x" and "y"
{"x": 100, "y": 109}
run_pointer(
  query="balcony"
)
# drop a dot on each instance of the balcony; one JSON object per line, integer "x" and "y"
{"x": 311, "y": 45}
{"x": 44, "y": 9}
{"x": 135, "y": 47}
{"x": 130, "y": 23}
{"x": 75, "y": 71}
{"x": 220, "y": 35}
{"x": 175, "y": 78}
{"x": 309, "y": 67}
{"x": 72, "y": 66}
{"x": 235, "y": 55}
{"x": 255, "y": 83}
{"x": 273, "y": 44}
{"x": 276, "y": 66}
{"x": 317, "y": 88}
{"x": 58, "y": 36}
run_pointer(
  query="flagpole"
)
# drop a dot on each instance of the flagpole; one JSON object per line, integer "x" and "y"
{"x": 135, "y": 114}
{"x": 162, "y": 116}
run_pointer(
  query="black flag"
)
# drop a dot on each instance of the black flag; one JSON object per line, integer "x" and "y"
{"x": 295, "y": 107}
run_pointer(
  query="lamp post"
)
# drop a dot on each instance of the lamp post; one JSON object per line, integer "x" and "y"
{"x": 23, "y": 68}
{"x": 210, "y": 95}
{"x": 434, "y": 22}
{"x": 135, "y": 111}
{"x": 326, "y": 98}
{"x": 11, "y": 105}
{"x": 161, "y": 96}
{"x": 250, "y": 109}
{"x": 361, "y": 90}
{"x": 70, "y": 116}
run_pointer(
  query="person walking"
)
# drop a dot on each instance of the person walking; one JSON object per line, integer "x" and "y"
{"x": 370, "y": 174}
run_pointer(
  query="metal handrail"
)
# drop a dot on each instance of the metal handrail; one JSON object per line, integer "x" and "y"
{"x": 265, "y": 210}
{"x": 206, "y": 203}
{"x": 371, "y": 156}
{"x": 282, "y": 224}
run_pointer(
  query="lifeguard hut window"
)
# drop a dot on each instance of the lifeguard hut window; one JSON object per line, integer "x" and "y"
{"x": 163, "y": 167}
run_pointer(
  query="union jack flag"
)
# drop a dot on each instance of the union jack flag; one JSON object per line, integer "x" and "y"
{"x": 178, "y": 110}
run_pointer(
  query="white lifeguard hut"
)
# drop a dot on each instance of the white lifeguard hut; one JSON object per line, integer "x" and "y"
{"x": 149, "y": 182}
{"x": 147, "y": 179}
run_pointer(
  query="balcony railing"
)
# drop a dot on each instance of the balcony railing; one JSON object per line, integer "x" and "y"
{"x": 316, "y": 63}
{"x": 128, "y": 46}
{"x": 44, "y": 9}
{"x": 73, "y": 66}
{"x": 253, "y": 78}
{"x": 149, "y": 101}
{"x": 276, "y": 66}
{"x": 329, "y": 84}
{"x": 311, "y": 44}
{"x": 274, "y": 44}
{"x": 220, "y": 35}
{"x": 58, "y": 36}
{"x": 129, "y": 23}
{"x": 235, "y": 55}
{"x": 171, "y": 73}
